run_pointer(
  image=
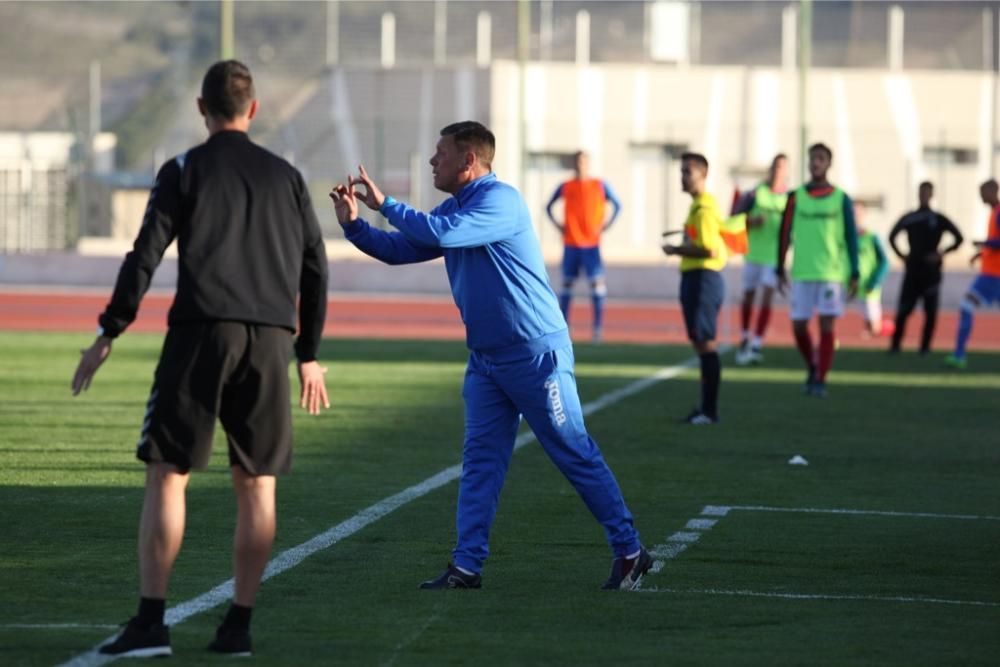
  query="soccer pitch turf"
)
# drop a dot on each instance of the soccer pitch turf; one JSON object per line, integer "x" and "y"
{"x": 749, "y": 570}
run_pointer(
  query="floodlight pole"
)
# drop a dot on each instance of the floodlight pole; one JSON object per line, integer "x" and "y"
{"x": 226, "y": 40}
{"x": 523, "y": 45}
{"x": 805, "y": 62}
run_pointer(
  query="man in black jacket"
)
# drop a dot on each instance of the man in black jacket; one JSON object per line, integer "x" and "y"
{"x": 248, "y": 244}
{"x": 924, "y": 228}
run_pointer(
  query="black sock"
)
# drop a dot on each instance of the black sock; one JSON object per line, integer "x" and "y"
{"x": 151, "y": 611}
{"x": 711, "y": 373}
{"x": 238, "y": 617}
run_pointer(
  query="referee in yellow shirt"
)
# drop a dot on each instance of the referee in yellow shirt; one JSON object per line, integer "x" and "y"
{"x": 703, "y": 256}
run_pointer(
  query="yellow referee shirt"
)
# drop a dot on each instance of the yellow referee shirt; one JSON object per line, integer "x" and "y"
{"x": 703, "y": 229}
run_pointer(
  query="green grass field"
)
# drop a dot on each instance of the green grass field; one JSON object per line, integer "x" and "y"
{"x": 897, "y": 435}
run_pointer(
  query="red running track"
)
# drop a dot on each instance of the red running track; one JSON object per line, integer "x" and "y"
{"x": 374, "y": 316}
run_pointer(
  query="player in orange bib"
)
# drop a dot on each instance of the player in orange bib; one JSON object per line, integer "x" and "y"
{"x": 985, "y": 289}
{"x": 584, "y": 219}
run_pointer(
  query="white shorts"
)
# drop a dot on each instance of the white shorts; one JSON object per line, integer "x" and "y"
{"x": 758, "y": 275}
{"x": 813, "y": 296}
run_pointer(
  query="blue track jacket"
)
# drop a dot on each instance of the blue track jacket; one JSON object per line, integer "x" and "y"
{"x": 494, "y": 265}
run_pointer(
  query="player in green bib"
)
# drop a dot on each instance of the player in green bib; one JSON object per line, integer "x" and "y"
{"x": 819, "y": 220}
{"x": 873, "y": 266}
{"x": 763, "y": 207}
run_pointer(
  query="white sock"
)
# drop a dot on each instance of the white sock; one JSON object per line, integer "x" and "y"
{"x": 633, "y": 556}
{"x": 757, "y": 342}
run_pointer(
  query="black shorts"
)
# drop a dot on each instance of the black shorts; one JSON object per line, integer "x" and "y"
{"x": 702, "y": 292}
{"x": 234, "y": 371}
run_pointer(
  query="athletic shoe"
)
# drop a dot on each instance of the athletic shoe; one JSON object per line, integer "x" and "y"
{"x": 626, "y": 573}
{"x": 453, "y": 578}
{"x": 699, "y": 418}
{"x": 137, "y": 641}
{"x": 818, "y": 389}
{"x": 810, "y": 381}
{"x": 598, "y": 336}
{"x": 755, "y": 356}
{"x": 232, "y": 641}
{"x": 744, "y": 355}
{"x": 958, "y": 363}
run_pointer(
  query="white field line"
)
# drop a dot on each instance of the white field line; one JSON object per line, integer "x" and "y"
{"x": 54, "y": 626}
{"x": 431, "y": 620}
{"x": 819, "y": 596}
{"x": 819, "y": 510}
{"x": 682, "y": 539}
{"x": 292, "y": 557}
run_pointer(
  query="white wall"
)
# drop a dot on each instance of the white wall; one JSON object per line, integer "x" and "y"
{"x": 878, "y": 124}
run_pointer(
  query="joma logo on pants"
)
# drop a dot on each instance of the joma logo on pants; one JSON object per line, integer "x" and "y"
{"x": 556, "y": 400}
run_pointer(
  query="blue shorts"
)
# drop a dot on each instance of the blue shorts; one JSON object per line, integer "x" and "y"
{"x": 987, "y": 288}
{"x": 589, "y": 258}
{"x": 702, "y": 292}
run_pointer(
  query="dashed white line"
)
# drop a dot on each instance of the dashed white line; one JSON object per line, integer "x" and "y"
{"x": 914, "y": 599}
{"x": 819, "y": 510}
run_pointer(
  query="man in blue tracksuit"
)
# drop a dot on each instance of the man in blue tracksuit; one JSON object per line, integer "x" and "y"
{"x": 521, "y": 358}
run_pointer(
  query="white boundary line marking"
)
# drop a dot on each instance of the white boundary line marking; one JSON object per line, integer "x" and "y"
{"x": 818, "y": 596}
{"x": 291, "y": 557}
{"x": 54, "y": 626}
{"x": 820, "y": 510}
{"x": 681, "y": 540}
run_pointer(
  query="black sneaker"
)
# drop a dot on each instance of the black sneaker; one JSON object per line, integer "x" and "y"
{"x": 454, "y": 578}
{"x": 810, "y": 381}
{"x": 818, "y": 389}
{"x": 699, "y": 418}
{"x": 231, "y": 641}
{"x": 137, "y": 641}
{"x": 626, "y": 573}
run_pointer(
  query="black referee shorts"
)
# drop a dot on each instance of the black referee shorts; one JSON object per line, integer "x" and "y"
{"x": 234, "y": 371}
{"x": 702, "y": 293}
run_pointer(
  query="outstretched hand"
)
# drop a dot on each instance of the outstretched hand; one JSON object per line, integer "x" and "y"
{"x": 313, "y": 394}
{"x": 345, "y": 203}
{"x": 90, "y": 360}
{"x": 372, "y": 196}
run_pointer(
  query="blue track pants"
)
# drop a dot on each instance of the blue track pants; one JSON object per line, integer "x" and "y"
{"x": 543, "y": 390}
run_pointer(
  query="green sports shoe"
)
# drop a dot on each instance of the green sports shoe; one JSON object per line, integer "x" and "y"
{"x": 956, "y": 362}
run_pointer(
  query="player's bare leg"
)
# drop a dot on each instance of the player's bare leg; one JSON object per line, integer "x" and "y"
{"x": 161, "y": 529}
{"x": 256, "y": 524}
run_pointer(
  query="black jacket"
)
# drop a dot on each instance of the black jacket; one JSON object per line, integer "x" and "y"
{"x": 924, "y": 228}
{"x": 247, "y": 239}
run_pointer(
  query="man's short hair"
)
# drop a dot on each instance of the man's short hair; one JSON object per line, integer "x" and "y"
{"x": 823, "y": 148}
{"x": 925, "y": 184}
{"x": 991, "y": 183}
{"x": 472, "y": 136}
{"x": 779, "y": 156}
{"x": 697, "y": 158}
{"x": 227, "y": 89}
